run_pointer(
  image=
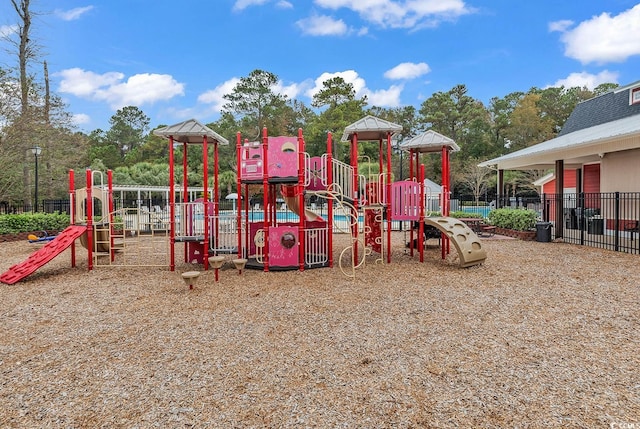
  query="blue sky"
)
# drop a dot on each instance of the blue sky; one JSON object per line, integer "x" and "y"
{"x": 175, "y": 60}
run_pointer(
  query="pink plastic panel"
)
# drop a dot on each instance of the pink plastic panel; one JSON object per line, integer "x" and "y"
{"x": 283, "y": 246}
{"x": 283, "y": 157}
{"x": 254, "y": 227}
{"x": 405, "y": 200}
{"x": 318, "y": 174}
{"x": 251, "y": 167}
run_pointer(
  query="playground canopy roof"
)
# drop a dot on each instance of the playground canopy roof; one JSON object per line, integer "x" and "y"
{"x": 370, "y": 128}
{"x": 190, "y": 131}
{"x": 429, "y": 141}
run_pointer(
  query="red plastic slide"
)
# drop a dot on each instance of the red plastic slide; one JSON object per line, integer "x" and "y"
{"x": 43, "y": 255}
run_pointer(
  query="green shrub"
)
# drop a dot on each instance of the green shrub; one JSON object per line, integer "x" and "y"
{"x": 459, "y": 213}
{"x": 518, "y": 219}
{"x": 16, "y": 223}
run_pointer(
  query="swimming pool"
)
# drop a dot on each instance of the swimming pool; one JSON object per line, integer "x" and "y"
{"x": 481, "y": 210}
{"x": 287, "y": 216}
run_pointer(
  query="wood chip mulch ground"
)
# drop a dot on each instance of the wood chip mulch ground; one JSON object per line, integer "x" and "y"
{"x": 540, "y": 335}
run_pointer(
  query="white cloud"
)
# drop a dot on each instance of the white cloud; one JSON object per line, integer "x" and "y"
{"x": 407, "y": 71}
{"x": 8, "y": 30}
{"x": 81, "y": 118}
{"x": 216, "y": 96}
{"x": 140, "y": 89}
{"x": 605, "y": 38}
{"x": 383, "y": 98}
{"x": 322, "y": 25}
{"x": 284, "y": 4}
{"x": 72, "y": 14}
{"x": 560, "y": 26}
{"x": 243, "y": 4}
{"x": 291, "y": 90}
{"x": 171, "y": 113}
{"x": 84, "y": 84}
{"x": 405, "y": 14}
{"x": 349, "y": 76}
{"x": 588, "y": 80}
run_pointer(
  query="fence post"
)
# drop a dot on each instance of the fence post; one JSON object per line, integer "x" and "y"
{"x": 616, "y": 221}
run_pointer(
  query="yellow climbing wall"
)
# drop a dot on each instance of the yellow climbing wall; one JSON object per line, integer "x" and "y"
{"x": 466, "y": 242}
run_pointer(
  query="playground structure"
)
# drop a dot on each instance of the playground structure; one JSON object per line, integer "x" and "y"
{"x": 406, "y": 200}
{"x": 103, "y": 231}
{"x": 279, "y": 168}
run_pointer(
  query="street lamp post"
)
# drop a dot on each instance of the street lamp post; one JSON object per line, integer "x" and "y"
{"x": 36, "y": 151}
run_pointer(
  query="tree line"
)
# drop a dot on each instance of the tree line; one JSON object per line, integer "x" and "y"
{"x": 31, "y": 115}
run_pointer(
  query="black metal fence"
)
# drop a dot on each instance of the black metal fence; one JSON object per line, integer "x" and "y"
{"x": 607, "y": 220}
{"x": 44, "y": 206}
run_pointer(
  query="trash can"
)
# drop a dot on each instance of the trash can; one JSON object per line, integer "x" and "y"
{"x": 571, "y": 220}
{"x": 595, "y": 225}
{"x": 543, "y": 232}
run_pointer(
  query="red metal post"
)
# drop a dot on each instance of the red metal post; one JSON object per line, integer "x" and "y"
{"x": 205, "y": 172}
{"x": 329, "y": 170}
{"x": 172, "y": 208}
{"x": 356, "y": 195}
{"x": 265, "y": 195}
{"x": 273, "y": 219}
{"x": 72, "y": 211}
{"x": 246, "y": 221}
{"x": 185, "y": 195}
{"x": 388, "y": 197}
{"x": 238, "y": 191}
{"x": 89, "y": 213}
{"x": 445, "y": 197}
{"x": 112, "y": 250}
{"x": 300, "y": 192}
{"x": 445, "y": 181}
{"x": 216, "y": 195}
{"x": 421, "y": 217}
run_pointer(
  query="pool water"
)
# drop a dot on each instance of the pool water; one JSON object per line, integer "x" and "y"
{"x": 291, "y": 217}
{"x": 481, "y": 210}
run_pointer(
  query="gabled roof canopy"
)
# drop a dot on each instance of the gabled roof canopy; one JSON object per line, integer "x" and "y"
{"x": 429, "y": 141}
{"x": 370, "y": 128}
{"x": 190, "y": 131}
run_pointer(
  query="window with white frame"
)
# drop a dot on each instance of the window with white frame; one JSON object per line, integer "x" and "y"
{"x": 634, "y": 96}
